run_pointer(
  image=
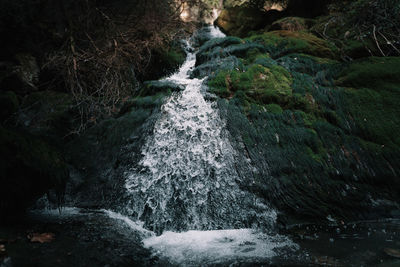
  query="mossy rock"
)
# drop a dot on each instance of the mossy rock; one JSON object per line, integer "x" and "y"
{"x": 220, "y": 42}
{"x": 291, "y": 24}
{"x": 49, "y": 113}
{"x": 173, "y": 58}
{"x": 8, "y": 104}
{"x": 164, "y": 61}
{"x": 274, "y": 108}
{"x": 159, "y": 86}
{"x": 356, "y": 49}
{"x": 307, "y": 64}
{"x": 28, "y": 168}
{"x": 373, "y": 72}
{"x": 240, "y": 20}
{"x": 279, "y": 43}
{"x": 316, "y": 136}
{"x": 239, "y": 50}
{"x": 211, "y": 67}
{"x": 376, "y": 114}
{"x": 261, "y": 84}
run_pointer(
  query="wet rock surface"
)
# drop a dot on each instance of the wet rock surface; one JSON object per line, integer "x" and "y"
{"x": 88, "y": 238}
{"x": 29, "y": 168}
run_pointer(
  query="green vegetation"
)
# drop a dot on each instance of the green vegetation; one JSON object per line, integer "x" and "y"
{"x": 279, "y": 43}
{"x": 374, "y": 104}
{"x": 263, "y": 85}
{"x": 314, "y": 135}
{"x": 373, "y": 72}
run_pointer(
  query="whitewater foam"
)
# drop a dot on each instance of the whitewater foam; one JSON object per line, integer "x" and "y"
{"x": 217, "y": 246}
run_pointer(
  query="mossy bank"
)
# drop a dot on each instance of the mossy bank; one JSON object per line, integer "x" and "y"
{"x": 320, "y": 133}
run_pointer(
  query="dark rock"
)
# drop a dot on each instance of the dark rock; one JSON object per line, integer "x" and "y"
{"x": 202, "y": 35}
{"x": 8, "y": 104}
{"x": 29, "y": 168}
{"x": 210, "y": 68}
{"x": 159, "y": 86}
{"x": 238, "y": 50}
{"x": 49, "y": 113}
{"x": 101, "y": 155}
{"x": 164, "y": 61}
{"x": 240, "y": 20}
{"x": 307, "y": 8}
{"x": 21, "y": 77}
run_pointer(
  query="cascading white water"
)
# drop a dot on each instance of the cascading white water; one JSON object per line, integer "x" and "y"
{"x": 186, "y": 179}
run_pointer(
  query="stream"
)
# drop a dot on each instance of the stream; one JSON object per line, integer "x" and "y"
{"x": 185, "y": 206}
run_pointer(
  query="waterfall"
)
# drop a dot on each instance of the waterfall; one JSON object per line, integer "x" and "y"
{"x": 186, "y": 179}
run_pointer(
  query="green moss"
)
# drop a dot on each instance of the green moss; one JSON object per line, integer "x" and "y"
{"x": 374, "y": 72}
{"x": 373, "y": 107}
{"x": 308, "y": 118}
{"x": 376, "y": 114}
{"x": 355, "y": 48}
{"x": 274, "y": 108}
{"x": 314, "y": 135}
{"x": 264, "y": 60}
{"x": 286, "y": 42}
{"x": 172, "y": 58}
{"x": 263, "y": 85}
{"x": 220, "y": 84}
{"x": 219, "y": 42}
{"x": 252, "y": 55}
{"x": 316, "y": 157}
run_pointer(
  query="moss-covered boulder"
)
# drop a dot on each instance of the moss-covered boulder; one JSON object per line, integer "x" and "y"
{"x": 239, "y": 50}
{"x": 210, "y": 68}
{"x": 49, "y": 113}
{"x": 159, "y": 86}
{"x": 373, "y": 98}
{"x": 372, "y": 72}
{"x": 279, "y": 43}
{"x": 239, "y": 20}
{"x": 321, "y": 134}
{"x": 101, "y": 156}
{"x": 260, "y": 84}
{"x": 28, "y": 168}
{"x": 164, "y": 60}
